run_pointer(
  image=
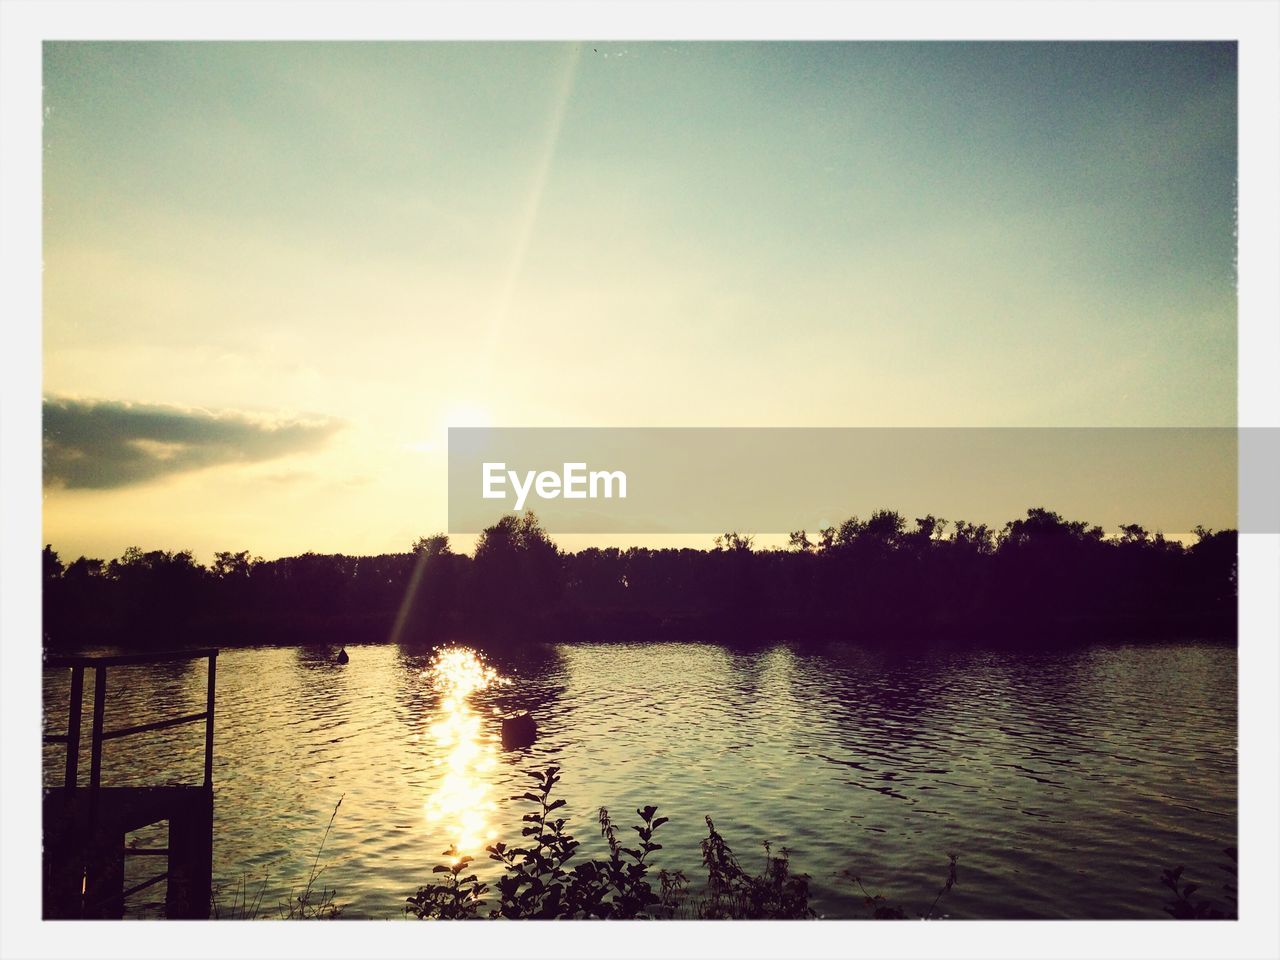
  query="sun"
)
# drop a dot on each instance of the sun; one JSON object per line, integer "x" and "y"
{"x": 466, "y": 415}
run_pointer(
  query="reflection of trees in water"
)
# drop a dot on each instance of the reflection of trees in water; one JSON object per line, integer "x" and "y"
{"x": 1033, "y": 734}
{"x": 759, "y": 691}
{"x": 880, "y": 716}
{"x": 1079, "y": 713}
{"x": 744, "y": 666}
{"x": 875, "y": 696}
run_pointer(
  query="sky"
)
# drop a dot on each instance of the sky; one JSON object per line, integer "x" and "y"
{"x": 275, "y": 273}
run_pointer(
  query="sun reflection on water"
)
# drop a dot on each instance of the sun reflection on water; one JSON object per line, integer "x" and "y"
{"x": 462, "y": 804}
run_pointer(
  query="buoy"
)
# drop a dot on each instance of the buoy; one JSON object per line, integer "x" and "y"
{"x": 518, "y": 730}
{"x": 342, "y": 655}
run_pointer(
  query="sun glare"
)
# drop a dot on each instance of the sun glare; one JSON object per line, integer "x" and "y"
{"x": 466, "y": 415}
{"x": 462, "y": 803}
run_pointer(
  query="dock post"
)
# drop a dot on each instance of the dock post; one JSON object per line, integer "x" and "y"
{"x": 72, "y": 771}
{"x": 104, "y": 870}
{"x": 191, "y": 859}
{"x": 64, "y": 860}
{"x": 84, "y": 830}
{"x": 208, "y": 720}
{"x": 99, "y": 708}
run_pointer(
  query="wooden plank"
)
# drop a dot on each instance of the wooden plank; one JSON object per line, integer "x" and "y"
{"x": 103, "y": 868}
{"x": 155, "y": 725}
{"x": 191, "y": 857}
{"x": 84, "y": 829}
{"x": 84, "y": 834}
{"x": 208, "y": 724}
{"x": 72, "y": 770}
{"x": 125, "y": 659}
{"x": 146, "y": 883}
{"x": 99, "y": 707}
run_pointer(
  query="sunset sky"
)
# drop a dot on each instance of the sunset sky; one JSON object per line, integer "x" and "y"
{"x": 274, "y": 273}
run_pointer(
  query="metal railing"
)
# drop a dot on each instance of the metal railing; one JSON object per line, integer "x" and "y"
{"x": 77, "y": 665}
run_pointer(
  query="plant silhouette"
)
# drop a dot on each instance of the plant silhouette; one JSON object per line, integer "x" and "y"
{"x": 540, "y": 879}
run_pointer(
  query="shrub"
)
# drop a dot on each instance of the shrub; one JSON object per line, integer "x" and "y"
{"x": 538, "y": 882}
{"x": 733, "y": 893}
{"x": 1187, "y": 906}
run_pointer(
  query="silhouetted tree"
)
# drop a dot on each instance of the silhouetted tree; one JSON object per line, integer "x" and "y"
{"x": 872, "y": 580}
{"x": 799, "y": 540}
{"x": 519, "y": 573}
{"x": 50, "y": 564}
{"x": 436, "y": 545}
{"x": 228, "y": 565}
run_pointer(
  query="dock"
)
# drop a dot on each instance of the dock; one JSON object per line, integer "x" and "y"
{"x": 85, "y": 826}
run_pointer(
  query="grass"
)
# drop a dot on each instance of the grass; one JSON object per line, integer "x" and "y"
{"x": 308, "y": 904}
{"x": 244, "y": 904}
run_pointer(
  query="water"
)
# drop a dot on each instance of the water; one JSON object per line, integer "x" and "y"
{"x": 1065, "y": 781}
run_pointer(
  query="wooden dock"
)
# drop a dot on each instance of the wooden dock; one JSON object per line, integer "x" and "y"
{"x": 85, "y": 826}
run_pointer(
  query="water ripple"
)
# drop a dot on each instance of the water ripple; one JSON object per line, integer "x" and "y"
{"x": 1065, "y": 780}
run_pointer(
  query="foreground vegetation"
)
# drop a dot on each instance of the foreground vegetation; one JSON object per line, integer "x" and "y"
{"x": 245, "y": 902}
{"x": 1038, "y": 578}
{"x": 544, "y": 879}
{"x": 541, "y": 881}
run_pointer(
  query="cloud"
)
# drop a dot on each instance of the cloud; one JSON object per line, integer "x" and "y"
{"x": 100, "y": 445}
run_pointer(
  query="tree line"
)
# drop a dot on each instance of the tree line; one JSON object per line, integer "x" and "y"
{"x": 883, "y": 579}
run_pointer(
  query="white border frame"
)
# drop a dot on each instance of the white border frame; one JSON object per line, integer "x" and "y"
{"x": 24, "y": 24}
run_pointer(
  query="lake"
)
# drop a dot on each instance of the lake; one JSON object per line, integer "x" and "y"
{"x": 1064, "y": 780}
